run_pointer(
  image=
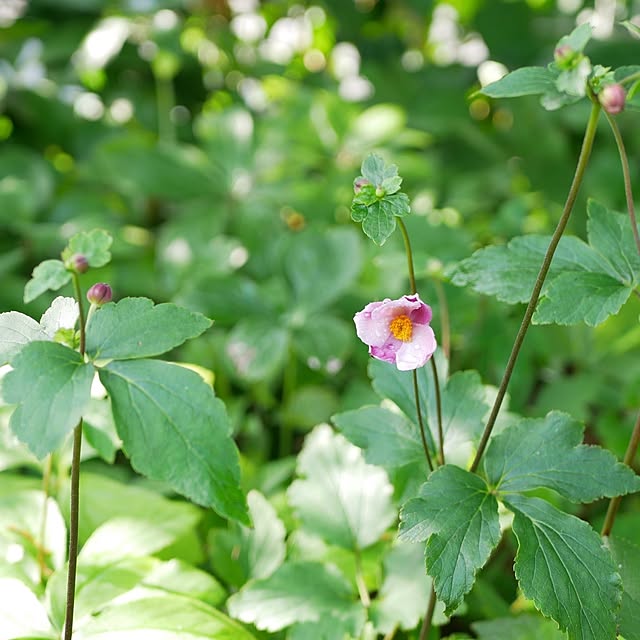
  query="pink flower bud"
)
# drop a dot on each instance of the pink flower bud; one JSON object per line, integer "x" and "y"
{"x": 99, "y": 294}
{"x": 78, "y": 263}
{"x": 358, "y": 183}
{"x": 612, "y": 98}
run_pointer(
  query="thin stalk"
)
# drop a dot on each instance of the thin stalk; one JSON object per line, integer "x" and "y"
{"x": 363, "y": 592}
{"x": 46, "y": 481}
{"x": 614, "y": 504}
{"x": 165, "y": 101}
{"x": 445, "y": 328}
{"x": 436, "y": 383}
{"x": 624, "y": 160}
{"x": 414, "y": 289}
{"x": 426, "y": 623}
{"x": 631, "y": 78}
{"x": 583, "y": 160}
{"x": 391, "y": 633}
{"x": 75, "y": 486}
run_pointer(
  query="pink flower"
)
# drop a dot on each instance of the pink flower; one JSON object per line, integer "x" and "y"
{"x": 398, "y": 331}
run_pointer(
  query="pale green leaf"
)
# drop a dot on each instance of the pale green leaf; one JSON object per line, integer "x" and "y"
{"x": 175, "y": 430}
{"x": 627, "y": 558}
{"x": 564, "y": 568}
{"x": 16, "y": 330}
{"x": 93, "y": 245}
{"x": 379, "y": 223}
{"x": 376, "y": 171}
{"x": 548, "y": 452}
{"x": 521, "y": 82}
{"x": 578, "y": 38}
{"x": 341, "y": 498}
{"x": 524, "y": 627}
{"x": 50, "y": 274}
{"x": 161, "y": 618}
{"x": 396, "y": 204}
{"x": 296, "y": 592}
{"x": 458, "y": 516}
{"x": 136, "y": 328}
{"x": 51, "y": 384}
{"x": 62, "y": 314}
{"x": 21, "y": 613}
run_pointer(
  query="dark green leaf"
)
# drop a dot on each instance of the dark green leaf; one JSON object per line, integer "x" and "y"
{"x": 548, "y": 453}
{"x": 175, "y": 430}
{"x": 136, "y": 328}
{"x": 93, "y": 245}
{"x": 296, "y": 592}
{"x": 627, "y": 558}
{"x": 342, "y": 499}
{"x": 564, "y": 568}
{"x": 522, "y": 82}
{"x": 51, "y": 384}
{"x": 458, "y": 516}
{"x": 50, "y": 274}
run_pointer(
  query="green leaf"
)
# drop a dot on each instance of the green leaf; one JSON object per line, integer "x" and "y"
{"x": 525, "y": 81}
{"x": 586, "y": 283}
{"x": 16, "y": 330}
{"x": 547, "y": 452}
{"x": 563, "y": 567}
{"x": 62, "y": 314}
{"x": 376, "y": 171}
{"x": 379, "y": 223}
{"x": 396, "y": 205}
{"x": 51, "y": 384}
{"x": 402, "y": 598}
{"x": 243, "y": 553}
{"x": 524, "y": 627}
{"x": 578, "y": 39}
{"x": 93, "y": 245}
{"x": 161, "y": 618}
{"x": 627, "y": 558}
{"x": 342, "y": 499}
{"x": 21, "y": 613}
{"x": 296, "y": 592}
{"x": 136, "y": 328}
{"x": 50, "y": 274}
{"x": 458, "y": 516}
{"x": 175, "y": 430}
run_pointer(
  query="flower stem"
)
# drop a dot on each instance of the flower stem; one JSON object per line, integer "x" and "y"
{"x": 416, "y": 395}
{"x": 583, "y": 160}
{"x": 624, "y": 160}
{"x": 445, "y": 329}
{"x": 75, "y": 486}
{"x": 614, "y": 504}
{"x": 46, "y": 481}
{"x": 428, "y": 617}
{"x": 436, "y": 383}
{"x": 409, "y": 252}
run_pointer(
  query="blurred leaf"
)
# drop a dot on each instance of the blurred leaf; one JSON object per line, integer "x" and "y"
{"x": 524, "y": 627}
{"x": 181, "y": 438}
{"x": 525, "y": 81}
{"x": 563, "y": 567}
{"x": 93, "y": 245}
{"x": 16, "y": 330}
{"x": 324, "y": 342}
{"x": 51, "y": 384}
{"x": 548, "y": 453}
{"x": 627, "y": 558}
{"x": 136, "y": 328}
{"x": 308, "y": 406}
{"x": 50, "y": 274}
{"x": 341, "y": 498}
{"x": 578, "y": 39}
{"x": 458, "y": 516}
{"x": 62, "y": 314}
{"x": 296, "y": 592}
{"x": 21, "y": 613}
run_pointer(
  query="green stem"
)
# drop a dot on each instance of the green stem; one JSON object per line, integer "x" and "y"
{"x": 624, "y": 160}
{"x": 583, "y": 160}
{"x": 630, "y": 454}
{"x": 416, "y": 395}
{"x": 436, "y": 383}
{"x": 428, "y": 617}
{"x": 363, "y": 592}
{"x": 632, "y": 78}
{"x": 75, "y": 486}
{"x": 409, "y": 252}
{"x": 445, "y": 329}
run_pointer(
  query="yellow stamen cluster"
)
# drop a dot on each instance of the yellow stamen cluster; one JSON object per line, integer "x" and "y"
{"x": 402, "y": 328}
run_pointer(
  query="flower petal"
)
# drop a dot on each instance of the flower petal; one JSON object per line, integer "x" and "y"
{"x": 371, "y": 330}
{"x": 415, "y": 353}
{"x": 387, "y": 351}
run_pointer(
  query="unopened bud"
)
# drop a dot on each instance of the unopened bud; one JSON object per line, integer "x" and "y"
{"x": 79, "y": 263}
{"x": 358, "y": 183}
{"x": 99, "y": 294}
{"x": 612, "y": 98}
{"x": 563, "y": 54}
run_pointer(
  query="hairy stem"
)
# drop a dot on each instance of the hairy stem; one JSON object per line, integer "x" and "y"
{"x": 614, "y": 504}
{"x": 75, "y": 486}
{"x": 624, "y": 160}
{"x": 583, "y": 160}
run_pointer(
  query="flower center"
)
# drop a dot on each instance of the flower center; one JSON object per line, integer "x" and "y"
{"x": 401, "y": 328}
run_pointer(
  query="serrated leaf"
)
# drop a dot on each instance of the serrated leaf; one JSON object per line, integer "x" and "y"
{"x": 50, "y": 274}
{"x": 17, "y": 330}
{"x": 525, "y": 81}
{"x": 548, "y": 453}
{"x": 161, "y": 618}
{"x": 175, "y": 430}
{"x": 136, "y": 328}
{"x": 296, "y": 592}
{"x": 342, "y": 499}
{"x": 93, "y": 245}
{"x": 376, "y": 171}
{"x": 62, "y": 314}
{"x": 379, "y": 223}
{"x": 51, "y": 384}
{"x": 578, "y": 39}
{"x": 458, "y": 516}
{"x": 396, "y": 205}
{"x": 586, "y": 282}
{"x": 392, "y": 184}
{"x": 564, "y": 568}
{"x": 626, "y": 555}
